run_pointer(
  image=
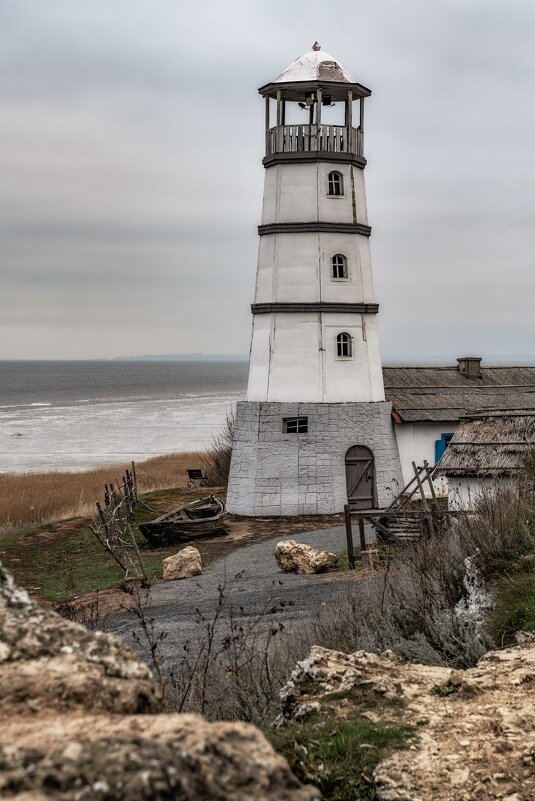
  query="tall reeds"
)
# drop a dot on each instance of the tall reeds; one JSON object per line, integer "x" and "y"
{"x": 30, "y": 499}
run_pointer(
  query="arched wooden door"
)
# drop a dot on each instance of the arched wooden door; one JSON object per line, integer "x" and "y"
{"x": 360, "y": 477}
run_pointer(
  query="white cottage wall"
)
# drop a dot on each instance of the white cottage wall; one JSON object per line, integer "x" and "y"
{"x": 416, "y": 442}
{"x": 465, "y": 492}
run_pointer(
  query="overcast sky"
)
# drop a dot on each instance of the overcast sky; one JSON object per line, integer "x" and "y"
{"x": 131, "y": 140}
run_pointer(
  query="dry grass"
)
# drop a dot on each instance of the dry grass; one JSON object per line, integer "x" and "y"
{"x": 29, "y": 499}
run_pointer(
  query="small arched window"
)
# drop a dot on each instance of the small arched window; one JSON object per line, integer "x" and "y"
{"x": 339, "y": 266}
{"x": 336, "y": 183}
{"x": 344, "y": 346}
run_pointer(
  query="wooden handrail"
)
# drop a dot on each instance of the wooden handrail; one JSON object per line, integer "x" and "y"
{"x": 302, "y": 138}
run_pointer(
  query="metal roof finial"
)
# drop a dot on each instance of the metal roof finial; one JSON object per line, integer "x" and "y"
{"x": 316, "y": 46}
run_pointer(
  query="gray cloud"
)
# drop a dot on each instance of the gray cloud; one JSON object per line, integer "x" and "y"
{"x": 130, "y": 152}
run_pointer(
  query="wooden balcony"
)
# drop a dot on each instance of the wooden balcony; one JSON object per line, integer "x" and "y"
{"x": 314, "y": 139}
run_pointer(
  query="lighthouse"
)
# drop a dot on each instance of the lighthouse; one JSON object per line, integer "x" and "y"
{"x": 315, "y": 431}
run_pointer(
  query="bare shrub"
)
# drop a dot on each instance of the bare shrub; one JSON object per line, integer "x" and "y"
{"x": 93, "y": 615}
{"x": 216, "y": 460}
{"x": 236, "y": 669}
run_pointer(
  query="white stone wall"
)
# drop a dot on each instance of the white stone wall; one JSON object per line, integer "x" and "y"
{"x": 299, "y": 193}
{"x": 293, "y": 355}
{"x": 273, "y": 473}
{"x": 293, "y": 358}
{"x": 296, "y": 267}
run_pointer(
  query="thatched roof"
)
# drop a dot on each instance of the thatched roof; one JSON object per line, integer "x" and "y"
{"x": 490, "y": 443}
{"x": 434, "y": 394}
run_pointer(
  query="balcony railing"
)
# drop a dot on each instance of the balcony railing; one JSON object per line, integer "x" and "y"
{"x": 315, "y": 138}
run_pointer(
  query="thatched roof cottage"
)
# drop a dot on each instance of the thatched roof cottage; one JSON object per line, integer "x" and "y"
{"x": 488, "y": 449}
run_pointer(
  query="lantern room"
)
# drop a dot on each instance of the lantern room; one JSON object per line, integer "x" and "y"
{"x": 314, "y": 115}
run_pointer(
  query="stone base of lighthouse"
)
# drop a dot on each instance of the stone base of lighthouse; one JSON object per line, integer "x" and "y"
{"x": 278, "y": 473}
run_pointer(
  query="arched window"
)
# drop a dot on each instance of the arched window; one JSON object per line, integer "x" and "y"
{"x": 344, "y": 346}
{"x": 336, "y": 183}
{"x": 339, "y": 266}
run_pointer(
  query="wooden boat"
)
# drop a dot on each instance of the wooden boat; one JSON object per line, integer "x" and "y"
{"x": 196, "y": 519}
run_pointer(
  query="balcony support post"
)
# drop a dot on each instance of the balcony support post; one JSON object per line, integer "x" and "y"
{"x": 268, "y": 150}
{"x": 279, "y": 133}
{"x": 361, "y": 127}
{"x": 349, "y": 122}
{"x": 349, "y": 109}
{"x": 318, "y": 107}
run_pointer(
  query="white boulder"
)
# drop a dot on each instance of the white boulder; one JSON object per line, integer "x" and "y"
{"x": 181, "y": 565}
{"x": 294, "y": 557}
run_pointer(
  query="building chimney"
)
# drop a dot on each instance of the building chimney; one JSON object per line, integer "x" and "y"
{"x": 469, "y": 366}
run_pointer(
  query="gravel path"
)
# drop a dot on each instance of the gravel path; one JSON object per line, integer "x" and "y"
{"x": 252, "y": 582}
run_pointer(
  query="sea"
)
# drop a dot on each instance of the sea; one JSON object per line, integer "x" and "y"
{"x": 76, "y": 415}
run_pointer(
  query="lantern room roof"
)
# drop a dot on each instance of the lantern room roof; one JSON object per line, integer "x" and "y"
{"x": 316, "y": 65}
{"x": 317, "y": 68}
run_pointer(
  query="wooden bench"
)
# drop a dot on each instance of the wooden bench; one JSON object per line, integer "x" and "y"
{"x": 196, "y": 478}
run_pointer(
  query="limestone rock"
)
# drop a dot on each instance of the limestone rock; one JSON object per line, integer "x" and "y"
{"x": 184, "y": 564}
{"x": 474, "y": 730}
{"x": 80, "y": 722}
{"x": 294, "y": 557}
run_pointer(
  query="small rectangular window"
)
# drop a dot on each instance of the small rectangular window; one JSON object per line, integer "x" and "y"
{"x": 295, "y": 425}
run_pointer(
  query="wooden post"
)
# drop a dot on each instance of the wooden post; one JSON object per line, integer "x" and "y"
{"x": 420, "y": 486}
{"x": 425, "y": 508}
{"x": 318, "y": 107}
{"x": 349, "y": 120}
{"x": 362, "y": 535}
{"x": 102, "y": 518}
{"x": 349, "y": 537}
{"x": 430, "y": 481}
{"x": 135, "y": 479}
{"x": 361, "y": 126}
{"x": 279, "y": 137}
{"x": 267, "y": 125}
{"x": 283, "y": 113}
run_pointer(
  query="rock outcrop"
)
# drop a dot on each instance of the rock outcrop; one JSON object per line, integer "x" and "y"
{"x": 81, "y": 722}
{"x": 294, "y": 557}
{"x": 184, "y": 564}
{"x": 474, "y": 730}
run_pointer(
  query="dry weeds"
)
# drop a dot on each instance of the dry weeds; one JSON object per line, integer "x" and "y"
{"x": 29, "y": 499}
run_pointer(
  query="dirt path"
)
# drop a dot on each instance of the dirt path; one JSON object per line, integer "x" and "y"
{"x": 253, "y": 584}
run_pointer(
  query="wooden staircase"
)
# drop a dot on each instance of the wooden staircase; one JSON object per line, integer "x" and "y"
{"x": 396, "y": 523}
{"x": 403, "y": 526}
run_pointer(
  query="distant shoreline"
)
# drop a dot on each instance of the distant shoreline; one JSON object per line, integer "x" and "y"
{"x": 193, "y": 357}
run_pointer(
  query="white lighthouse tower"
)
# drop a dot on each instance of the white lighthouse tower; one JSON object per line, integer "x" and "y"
{"x": 315, "y": 430}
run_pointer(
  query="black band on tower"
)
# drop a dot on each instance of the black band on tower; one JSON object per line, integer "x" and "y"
{"x": 344, "y": 308}
{"x": 314, "y": 227}
{"x": 309, "y": 157}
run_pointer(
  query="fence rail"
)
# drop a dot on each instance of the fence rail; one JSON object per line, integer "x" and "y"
{"x": 112, "y": 526}
{"x": 314, "y": 138}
